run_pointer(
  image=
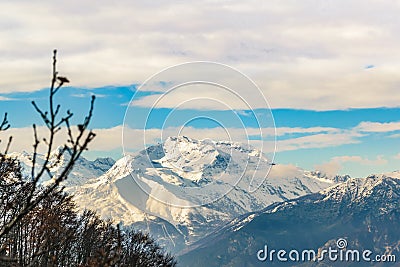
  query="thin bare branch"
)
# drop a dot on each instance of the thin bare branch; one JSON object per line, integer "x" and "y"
{"x": 4, "y": 125}
{"x": 35, "y": 147}
{"x": 78, "y": 145}
{"x": 8, "y": 144}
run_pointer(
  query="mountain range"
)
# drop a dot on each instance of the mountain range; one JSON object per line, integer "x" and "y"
{"x": 364, "y": 213}
{"x": 184, "y": 189}
{"x": 195, "y": 198}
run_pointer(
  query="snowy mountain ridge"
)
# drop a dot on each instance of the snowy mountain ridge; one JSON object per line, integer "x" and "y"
{"x": 362, "y": 211}
{"x": 161, "y": 188}
{"x": 183, "y": 189}
{"x": 83, "y": 171}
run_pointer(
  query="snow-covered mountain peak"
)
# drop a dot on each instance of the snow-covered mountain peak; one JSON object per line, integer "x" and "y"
{"x": 184, "y": 155}
{"x": 394, "y": 174}
{"x": 191, "y": 186}
{"x": 187, "y": 162}
{"x": 333, "y": 178}
{"x": 363, "y": 211}
{"x": 358, "y": 189}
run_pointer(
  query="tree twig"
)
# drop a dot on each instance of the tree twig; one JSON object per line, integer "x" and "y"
{"x": 74, "y": 145}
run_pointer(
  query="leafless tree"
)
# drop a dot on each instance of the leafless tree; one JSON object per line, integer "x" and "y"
{"x": 74, "y": 145}
{"x": 40, "y": 225}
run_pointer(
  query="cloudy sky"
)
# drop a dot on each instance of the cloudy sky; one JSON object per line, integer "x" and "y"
{"x": 329, "y": 70}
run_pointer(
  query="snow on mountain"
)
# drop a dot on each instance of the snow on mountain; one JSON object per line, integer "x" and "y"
{"x": 334, "y": 178}
{"x": 83, "y": 171}
{"x": 183, "y": 189}
{"x": 364, "y": 211}
{"x": 357, "y": 190}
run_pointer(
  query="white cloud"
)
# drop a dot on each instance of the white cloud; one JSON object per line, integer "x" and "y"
{"x": 335, "y": 164}
{"x": 331, "y": 168}
{"x": 319, "y": 140}
{"x": 302, "y": 54}
{"x": 201, "y": 98}
{"x": 319, "y": 137}
{"x": 136, "y": 139}
{"x": 378, "y": 127}
{"x": 23, "y": 138}
{"x": 281, "y": 170}
{"x": 378, "y": 161}
{"x": 292, "y": 130}
{"x": 3, "y": 98}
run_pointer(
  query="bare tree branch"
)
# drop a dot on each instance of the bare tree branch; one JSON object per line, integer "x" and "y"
{"x": 74, "y": 146}
{"x": 4, "y": 124}
{"x": 39, "y": 225}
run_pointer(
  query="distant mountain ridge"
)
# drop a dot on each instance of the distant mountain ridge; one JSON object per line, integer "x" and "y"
{"x": 170, "y": 171}
{"x": 364, "y": 211}
{"x": 83, "y": 171}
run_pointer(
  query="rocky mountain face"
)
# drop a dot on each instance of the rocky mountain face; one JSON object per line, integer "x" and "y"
{"x": 363, "y": 214}
{"x": 184, "y": 189}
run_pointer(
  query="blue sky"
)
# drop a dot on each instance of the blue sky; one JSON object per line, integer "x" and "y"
{"x": 369, "y": 144}
{"x": 329, "y": 70}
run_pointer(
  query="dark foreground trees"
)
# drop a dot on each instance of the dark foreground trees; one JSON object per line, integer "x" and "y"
{"x": 77, "y": 141}
{"x": 40, "y": 225}
{"x": 55, "y": 234}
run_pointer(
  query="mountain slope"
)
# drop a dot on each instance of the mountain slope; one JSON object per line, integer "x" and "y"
{"x": 181, "y": 175}
{"x": 83, "y": 170}
{"x": 364, "y": 211}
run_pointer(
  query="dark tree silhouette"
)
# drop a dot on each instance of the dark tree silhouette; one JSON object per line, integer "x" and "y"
{"x": 74, "y": 145}
{"x": 55, "y": 234}
{"x": 41, "y": 225}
